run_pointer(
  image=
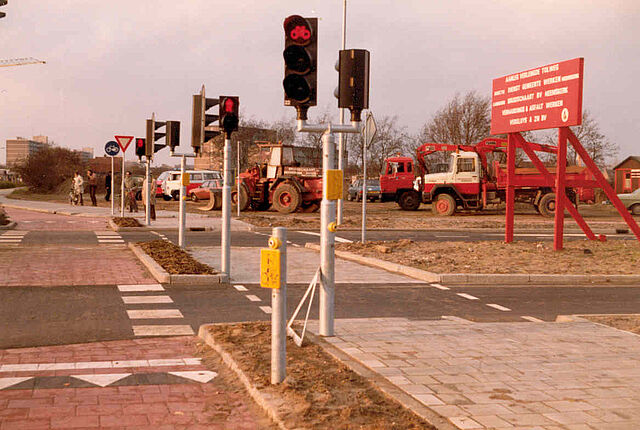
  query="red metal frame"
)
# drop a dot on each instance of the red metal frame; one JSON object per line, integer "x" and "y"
{"x": 515, "y": 140}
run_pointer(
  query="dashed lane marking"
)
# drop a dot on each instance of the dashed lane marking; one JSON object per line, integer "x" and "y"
{"x": 467, "y": 296}
{"x": 162, "y": 236}
{"x": 140, "y": 288}
{"x": 154, "y": 313}
{"x": 532, "y": 319}
{"x": 313, "y": 233}
{"x": 240, "y": 287}
{"x": 265, "y": 309}
{"x": 440, "y": 287}
{"x": 253, "y": 298}
{"x": 498, "y": 307}
{"x": 136, "y": 300}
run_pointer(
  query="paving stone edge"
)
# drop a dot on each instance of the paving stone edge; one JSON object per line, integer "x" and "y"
{"x": 261, "y": 398}
{"x": 482, "y": 278}
{"x": 381, "y": 383}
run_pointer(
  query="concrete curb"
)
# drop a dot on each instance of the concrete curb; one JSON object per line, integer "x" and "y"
{"x": 482, "y": 278}
{"x": 164, "y": 277}
{"x": 381, "y": 383}
{"x": 9, "y": 226}
{"x": 263, "y": 399}
{"x": 116, "y": 227}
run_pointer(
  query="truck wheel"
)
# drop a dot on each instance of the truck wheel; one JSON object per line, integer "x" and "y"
{"x": 244, "y": 197}
{"x": 444, "y": 205}
{"x": 286, "y": 198}
{"x": 547, "y": 205}
{"x": 166, "y": 198}
{"x": 176, "y": 195}
{"x": 635, "y": 209}
{"x": 409, "y": 201}
{"x": 193, "y": 197}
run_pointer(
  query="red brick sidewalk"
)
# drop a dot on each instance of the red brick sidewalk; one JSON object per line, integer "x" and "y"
{"x": 220, "y": 403}
{"x": 70, "y": 265}
{"x": 39, "y": 221}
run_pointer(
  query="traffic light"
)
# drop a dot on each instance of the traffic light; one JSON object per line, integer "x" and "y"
{"x": 173, "y": 134}
{"x": 353, "y": 86}
{"x": 300, "y": 60}
{"x": 3, "y": 3}
{"x": 229, "y": 117}
{"x": 140, "y": 147}
{"x": 202, "y": 129}
{"x": 152, "y": 136}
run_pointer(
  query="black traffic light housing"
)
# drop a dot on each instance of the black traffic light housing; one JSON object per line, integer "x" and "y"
{"x": 353, "y": 86}
{"x": 229, "y": 114}
{"x": 173, "y": 134}
{"x": 300, "y": 63}
{"x": 202, "y": 128}
{"x": 152, "y": 136}
{"x": 3, "y": 3}
{"x": 140, "y": 147}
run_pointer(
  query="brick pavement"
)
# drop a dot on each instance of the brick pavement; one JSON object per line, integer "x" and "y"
{"x": 38, "y": 221}
{"x": 70, "y": 265}
{"x": 219, "y": 403}
{"x": 545, "y": 376}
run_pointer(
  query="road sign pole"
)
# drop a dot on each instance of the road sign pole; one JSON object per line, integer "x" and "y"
{"x": 113, "y": 191}
{"x": 341, "y": 139}
{"x": 364, "y": 185}
{"x": 122, "y": 188}
{"x": 226, "y": 210}
{"x": 238, "y": 173}
{"x": 279, "y": 314}
{"x": 327, "y": 239}
{"x": 182, "y": 214}
{"x": 147, "y": 207}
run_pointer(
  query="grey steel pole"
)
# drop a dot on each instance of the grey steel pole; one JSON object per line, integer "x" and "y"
{"x": 226, "y": 210}
{"x": 122, "y": 188}
{"x": 364, "y": 186}
{"x": 238, "y": 173}
{"x": 327, "y": 240}
{"x": 279, "y": 314}
{"x": 341, "y": 135}
{"x": 147, "y": 206}
{"x": 113, "y": 191}
{"x": 181, "y": 214}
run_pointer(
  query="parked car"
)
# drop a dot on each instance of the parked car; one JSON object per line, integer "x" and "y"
{"x": 171, "y": 185}
{"x": 631, "y": 201}
{"x": 202, "y": 192}
{"x": 373, "y": 190}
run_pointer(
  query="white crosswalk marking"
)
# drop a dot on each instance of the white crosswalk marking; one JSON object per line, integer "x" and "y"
{"x": 240, "y": 287}
{"x": 12, "y": 237}
{"x": 139, "y": 288}
{"x": 253, "y": 298}
{"x": 154, "y": 314}
{"x": 468, "y": 296}
{"x": 532, "y": 319}
{"x": 108, "y": 236}
{"x": 162, "y": 330}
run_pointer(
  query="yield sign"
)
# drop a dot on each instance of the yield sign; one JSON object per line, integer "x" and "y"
{"x": 123, "y": 141}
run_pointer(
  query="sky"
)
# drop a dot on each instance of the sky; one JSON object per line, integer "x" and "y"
{"x": 111, "y": 64}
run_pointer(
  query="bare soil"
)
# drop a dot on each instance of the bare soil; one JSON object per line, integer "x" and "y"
{"x": 174, "y": 259}
{"x": 319, "y": 392}
{"x": 577, "y": 258}
{"x": 622, "y": 322}
{"x": 126, "y": 222}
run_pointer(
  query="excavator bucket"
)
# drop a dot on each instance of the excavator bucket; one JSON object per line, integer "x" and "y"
{"x": 215, "y": 202}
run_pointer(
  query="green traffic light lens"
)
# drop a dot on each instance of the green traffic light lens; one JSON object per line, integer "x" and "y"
{"x": 296, "y": 88}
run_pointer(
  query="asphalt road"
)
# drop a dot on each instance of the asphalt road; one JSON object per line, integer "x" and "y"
{"x": 32, "y": 316}
{"x": 299, "y": 237}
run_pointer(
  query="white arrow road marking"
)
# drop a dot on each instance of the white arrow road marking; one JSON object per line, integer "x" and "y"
{"x": 203, "y": 376}
{"x": 8, "y": 382}
{"x": 101, "y": 379}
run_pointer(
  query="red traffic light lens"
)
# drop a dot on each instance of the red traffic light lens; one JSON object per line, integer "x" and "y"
{"x": 139, "y": 143}
{"x": 297, "y": 30}
{"x": 229, "y": 105}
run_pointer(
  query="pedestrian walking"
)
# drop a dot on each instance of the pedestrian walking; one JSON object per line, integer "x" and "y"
{"x": 107, "y": 187}
{"x": 149, "y": 198}
{"x": 78, "y": 187}
{"x": 129, "y": 185}
{"x": 92, "y": 179}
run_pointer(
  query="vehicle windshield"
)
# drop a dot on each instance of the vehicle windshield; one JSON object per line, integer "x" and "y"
{"x": 372, "y": 182}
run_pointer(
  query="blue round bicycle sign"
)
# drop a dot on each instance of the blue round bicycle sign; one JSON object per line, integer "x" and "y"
{"x": 112, "y": 148}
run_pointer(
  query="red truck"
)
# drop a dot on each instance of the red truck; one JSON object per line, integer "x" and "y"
{"x": 472, "y": 179}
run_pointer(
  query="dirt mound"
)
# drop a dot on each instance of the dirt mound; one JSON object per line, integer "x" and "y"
{"x": 174, "y": 259}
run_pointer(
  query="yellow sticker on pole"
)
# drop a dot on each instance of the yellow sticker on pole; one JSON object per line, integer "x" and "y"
{"x": 186, "y": 179}
{"x": 334, "y": 184}
{"x": 269, "y": 268}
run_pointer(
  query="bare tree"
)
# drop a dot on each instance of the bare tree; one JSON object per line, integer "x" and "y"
{"x": 390, "y": 139}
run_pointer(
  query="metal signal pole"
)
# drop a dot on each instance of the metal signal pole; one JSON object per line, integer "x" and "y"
{"x": 226, "y": 208}
{"x": 341, "y": 135}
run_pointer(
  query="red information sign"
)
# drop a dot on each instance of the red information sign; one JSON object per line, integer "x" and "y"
{"x": 545, "y": 97}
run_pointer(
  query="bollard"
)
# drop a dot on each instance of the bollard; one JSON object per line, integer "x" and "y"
{"x": 279, "y": 312}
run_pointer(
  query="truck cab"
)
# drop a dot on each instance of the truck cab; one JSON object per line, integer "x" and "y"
{"x": 398, "y": 177}
{"x": 464, "y": 174}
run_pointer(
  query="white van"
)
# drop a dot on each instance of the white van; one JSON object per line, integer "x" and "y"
{"x": 171, "y": 184}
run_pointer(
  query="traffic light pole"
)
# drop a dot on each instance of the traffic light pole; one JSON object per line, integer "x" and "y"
{"x": 225, "y": 257}
{"x": 147, "y": 206}
{"x": 327, "y": 217}
{"x": 341, "y": 135}
{"x": 182, "y": 214}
